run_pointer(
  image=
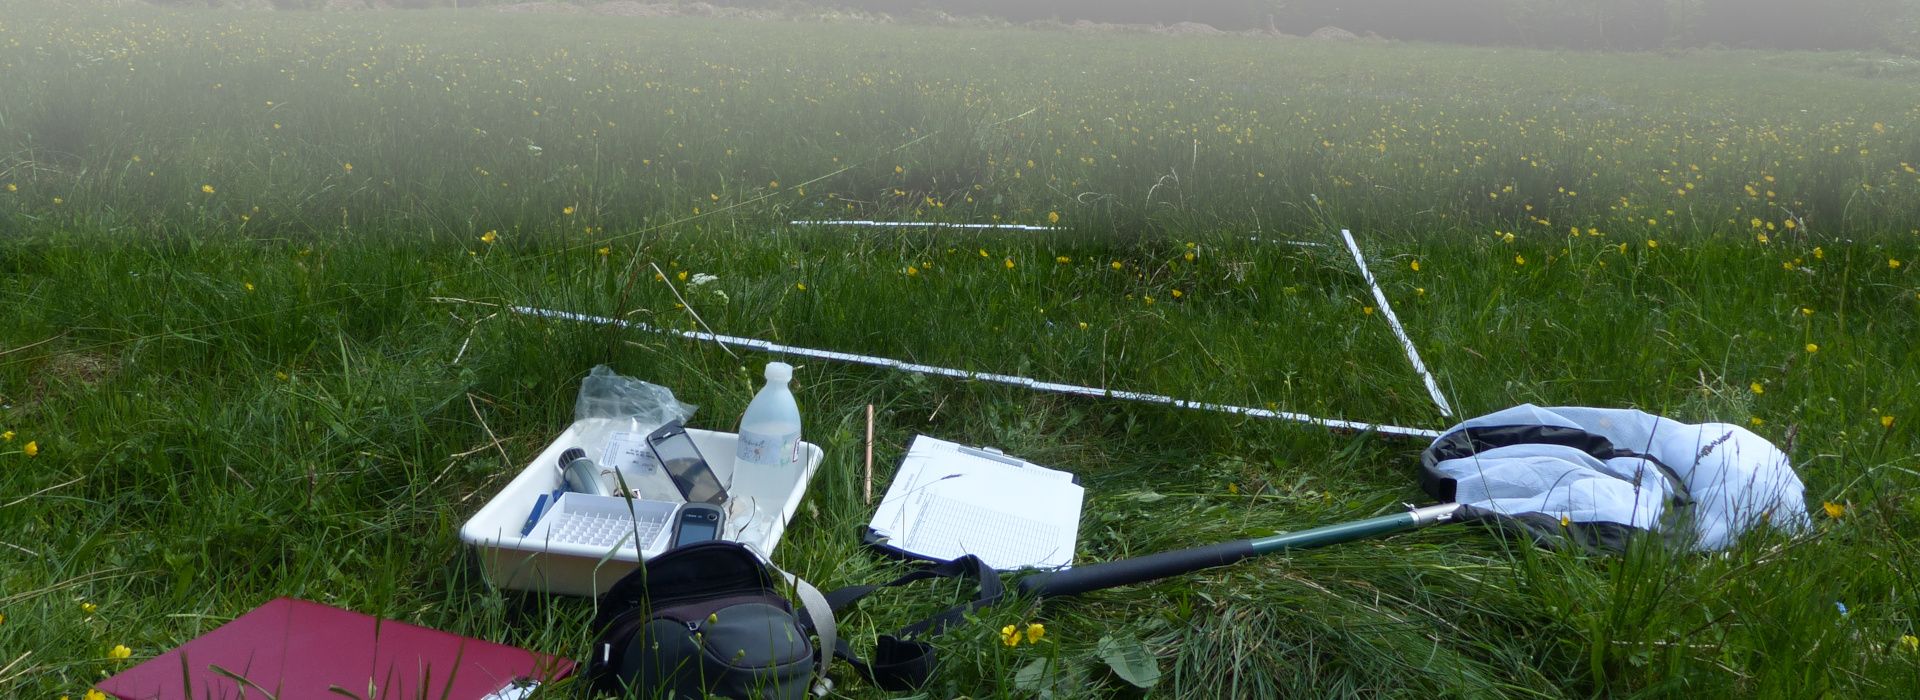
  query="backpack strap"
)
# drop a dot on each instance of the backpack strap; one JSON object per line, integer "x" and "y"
{"x": 818, "y": 616}
{"x": 900, "y": 662}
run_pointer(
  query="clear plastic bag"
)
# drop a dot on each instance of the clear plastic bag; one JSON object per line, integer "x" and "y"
{"x": 606, "y": 394}
{"x": 613, "y": 416}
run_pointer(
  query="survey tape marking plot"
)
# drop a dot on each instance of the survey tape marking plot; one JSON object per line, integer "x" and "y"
{"x": 924, "y": 224}
{"x": 762, "y": 345}
{"x": 1413, "y": 355}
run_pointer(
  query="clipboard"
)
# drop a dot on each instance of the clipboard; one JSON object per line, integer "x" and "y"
{"x": 948, "y": 500}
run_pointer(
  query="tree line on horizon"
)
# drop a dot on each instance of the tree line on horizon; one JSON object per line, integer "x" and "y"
{"x": 1626, "y": 25}
{"x": 1571, "y": 24}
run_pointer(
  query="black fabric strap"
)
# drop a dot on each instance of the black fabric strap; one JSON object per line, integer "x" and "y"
{"x": 900, "y": 662}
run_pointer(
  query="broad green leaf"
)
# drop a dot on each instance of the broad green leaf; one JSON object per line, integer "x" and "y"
{"x": 1130, "y": 660}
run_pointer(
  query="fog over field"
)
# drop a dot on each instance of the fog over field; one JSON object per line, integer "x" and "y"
{"x": 294, "y": 288}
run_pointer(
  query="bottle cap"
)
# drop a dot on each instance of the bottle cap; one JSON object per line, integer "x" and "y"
{"x": 779, "y": 372}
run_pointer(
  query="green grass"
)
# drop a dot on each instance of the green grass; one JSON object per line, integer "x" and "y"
{"x": 251, "y": 403}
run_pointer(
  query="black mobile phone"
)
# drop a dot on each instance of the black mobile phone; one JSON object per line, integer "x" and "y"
{"x": 685, "y": 466}
{"x": 697, "y": 522}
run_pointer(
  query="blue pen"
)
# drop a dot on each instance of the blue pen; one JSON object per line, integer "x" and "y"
{"x": 540, "y": 507}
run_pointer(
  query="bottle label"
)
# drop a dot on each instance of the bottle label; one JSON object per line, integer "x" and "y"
{"x": 768, "y": 450}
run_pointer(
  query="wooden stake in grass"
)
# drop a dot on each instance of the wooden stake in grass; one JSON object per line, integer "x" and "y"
{"x": 869, "y": 489}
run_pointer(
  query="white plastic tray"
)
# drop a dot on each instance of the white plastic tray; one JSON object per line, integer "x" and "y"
{"x": 574, "y": 561}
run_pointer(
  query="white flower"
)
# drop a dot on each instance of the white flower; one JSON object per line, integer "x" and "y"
{"x": 533, "y": 149}
{"x": 700, "y": 278}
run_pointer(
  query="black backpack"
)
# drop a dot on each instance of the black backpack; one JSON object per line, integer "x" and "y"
{"x": 707, "y": 618}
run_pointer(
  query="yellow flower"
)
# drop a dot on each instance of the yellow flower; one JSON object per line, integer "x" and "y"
{"x": 1368, "y": 310}
{"x": 282, "y": 376}
{"x": 1083, "y": 325}
{"x": 1910, "y": 643}
{"x": 248, "y": 285}
{"x": 568, "y": 211}
{"x": 1189, "y": 256}
{"x": 911, "y": 270}
{"x": 489, "y": 236}
{"x": 1035, "y": 631}
{"x": 1564, "y": 521}
{"x": 1835, "y": 510}
{"x": 897, "y": 169}
{"x": 57, "y": 200}
{"x": 775, "y": 183}
{"x": 32, "y": 449}
{"x": 1893, "y": 263}
{"x": 1176, "y": 293}
{"x": 1789, "y": 223}
{"x": 1812, "y": 348}
{"x": 682, "y": 275}
{"x": 1755, "y": 421}
{"x": 1623, "y": 249}
{"x": 606, "y": 251}
{"x": 95, "y": 695}
{"x": 983, "y": 253}
{"x": 1053, "y": 217}
{"x": 1519, "y": 259}
{"x": 1652, "y": 243}
{"x": 13, "y": 187}
{"x": 88, "y": 608}
{"x": 1009, "y": 263}
{"x": 1886, "y": 421}
{"x": 1010, "y": 636}
{"x": 1757, "y": 388}
{"x": 1818, "y": 253}
{"x": 348, "y": 166}
{"x": 801, "y": 287}
{"x": 1806, "y": 311}
{"x": 1116, "y": 265}
{"x": 207, "y": 189}
{"x": 119, "y": 652}
{"x": 1063, "y": 260}
{"x": 1419, "y": 291}
{"x": 1416, "y": 266}
{"x": 1148, "y": 299}
{"x": 7, "y": 436}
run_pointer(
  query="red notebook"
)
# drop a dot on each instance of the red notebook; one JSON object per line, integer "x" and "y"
{"x": 296, "y": 650}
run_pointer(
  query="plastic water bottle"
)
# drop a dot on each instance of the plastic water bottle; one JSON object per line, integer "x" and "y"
{"x": 770, "y": 429}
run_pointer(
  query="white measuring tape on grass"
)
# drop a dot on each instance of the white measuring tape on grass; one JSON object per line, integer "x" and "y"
{"x": 1413, "y": 355}
{"x": 924, "y": 224}
{"x": 1036, "y": 385}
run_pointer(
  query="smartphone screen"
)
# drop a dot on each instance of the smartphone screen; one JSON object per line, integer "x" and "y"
{"x": 683, "y": 463}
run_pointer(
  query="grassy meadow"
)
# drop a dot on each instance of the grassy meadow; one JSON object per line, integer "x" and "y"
{"x": 254, "y": 265}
